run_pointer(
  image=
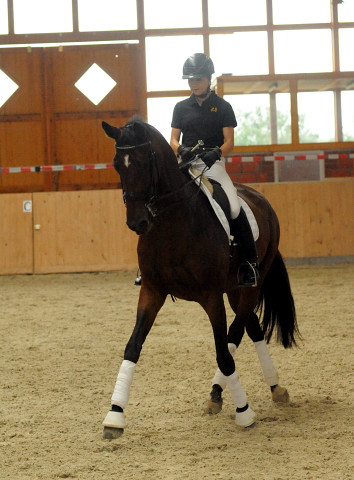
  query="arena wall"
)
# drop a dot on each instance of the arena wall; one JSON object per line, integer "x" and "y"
{"x": 47, "y": 232}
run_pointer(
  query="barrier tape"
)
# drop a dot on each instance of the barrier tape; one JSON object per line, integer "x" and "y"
{"x": 279, "y": 158}
{"x": 233, "y": 159}
{"x": 56, "y": 168}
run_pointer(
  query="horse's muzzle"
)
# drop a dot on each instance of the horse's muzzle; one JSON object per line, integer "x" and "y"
{"x": 141, "y": 227}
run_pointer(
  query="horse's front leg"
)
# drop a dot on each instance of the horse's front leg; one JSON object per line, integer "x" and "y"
{"x": 215, "y": 309}
{"x": 150, "y": 302}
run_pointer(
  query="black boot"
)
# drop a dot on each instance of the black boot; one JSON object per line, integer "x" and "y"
{"x": 248, "y": 273}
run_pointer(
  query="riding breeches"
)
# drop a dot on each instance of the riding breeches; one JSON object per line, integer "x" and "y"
{"x": 218, "y": 173}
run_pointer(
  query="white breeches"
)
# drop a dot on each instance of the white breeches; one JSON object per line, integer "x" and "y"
{"x": 218, "y": 173}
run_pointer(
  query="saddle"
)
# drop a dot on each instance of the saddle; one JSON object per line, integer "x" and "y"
{"x": 220, "y": 203}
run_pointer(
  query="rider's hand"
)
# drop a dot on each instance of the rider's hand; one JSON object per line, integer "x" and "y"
{"x": 210, "y": 157}
{"x": 185, "y": 153}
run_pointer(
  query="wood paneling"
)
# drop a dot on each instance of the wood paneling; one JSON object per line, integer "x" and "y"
{"x": 16, "y": 239}
{"x": 316, "y": 218}
{"x": 86, "y": 230}
{"x": 77, "y": 136}
{"x": 22, "y": 136}
{"x": 48, "y": 121}
{"x": 82, "y": 231}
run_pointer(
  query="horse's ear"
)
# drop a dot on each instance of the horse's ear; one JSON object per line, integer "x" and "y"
{"x": 112, "y": 132}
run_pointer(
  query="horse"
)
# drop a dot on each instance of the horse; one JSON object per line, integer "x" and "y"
{"x": 183, "y": 251}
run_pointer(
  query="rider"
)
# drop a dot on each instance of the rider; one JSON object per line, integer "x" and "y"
{"x": 208, "y": 117}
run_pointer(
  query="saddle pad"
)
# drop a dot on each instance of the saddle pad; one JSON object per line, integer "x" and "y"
{"x": 207, "y": 189}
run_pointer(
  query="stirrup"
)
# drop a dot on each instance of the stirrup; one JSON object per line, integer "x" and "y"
{"x": 248, "y": 274}
{"x": 138, "y": 278}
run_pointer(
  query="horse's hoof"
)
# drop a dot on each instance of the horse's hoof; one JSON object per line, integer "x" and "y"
{"x": 245, "y": 419}
{"x": 111, "y": 433}
{"x": 280, "y": 395}
{"x": 212, "y": 408}
{"x": 114, "y": 425}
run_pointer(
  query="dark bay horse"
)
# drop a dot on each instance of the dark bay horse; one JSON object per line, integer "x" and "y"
{"x": 183, "y": 251}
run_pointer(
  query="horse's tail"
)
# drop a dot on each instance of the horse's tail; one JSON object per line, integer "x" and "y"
{"x": 277, "y": 303}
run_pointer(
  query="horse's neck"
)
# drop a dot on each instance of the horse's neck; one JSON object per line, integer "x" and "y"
{"x": 170, "y": 177}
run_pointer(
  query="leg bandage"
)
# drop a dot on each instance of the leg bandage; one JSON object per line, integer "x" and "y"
{"x": 219, "y": 378}
{"x": 121, "y": 390}
{"x": 237, "y": 393}
{"x": 269, "y": 372}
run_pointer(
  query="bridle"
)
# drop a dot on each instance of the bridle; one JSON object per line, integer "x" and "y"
{"x": 151, "y": 198}
{"x": 148, "y": 197}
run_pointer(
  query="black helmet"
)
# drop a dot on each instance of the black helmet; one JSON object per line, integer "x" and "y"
{"x": 198, "y": 65}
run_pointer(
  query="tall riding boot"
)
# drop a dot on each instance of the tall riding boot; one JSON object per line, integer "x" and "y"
{"x": 248, "y": 273}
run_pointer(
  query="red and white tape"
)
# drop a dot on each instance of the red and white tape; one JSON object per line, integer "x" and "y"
{"x": 279, "y": 158}
{"x": 231, "y": 159}
{"x": 56, "y": 168}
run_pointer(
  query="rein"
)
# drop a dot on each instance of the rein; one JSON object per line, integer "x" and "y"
{"x": 152, "y": 199}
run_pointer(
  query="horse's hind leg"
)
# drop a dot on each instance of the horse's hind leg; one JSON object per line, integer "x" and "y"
{"x": 149, "y": 304}
{"x": 254, "y": 331}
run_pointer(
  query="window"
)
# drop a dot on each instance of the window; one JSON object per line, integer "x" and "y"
{"x": 346, "y": 42}
{"x": 4, "y": 28}
{"x": 43, "y": 16}
{"x": 346, "y": 11}
{"x": 283, "y": 117}
{"x": 348, "y": 115}
{"x": 249, "y": 53}
{"x": 238, "y": 13}
{"x": 107, "y": 15}
{"x": 252, "y": 115}
{"x": 301, "y": 11}
{"x": 299, "y": 51}
{"x": 316, "y": 116}
{"x": 165, "y": 57}
{"x": 158, "y": 14}
{"x": 160, "y": 113}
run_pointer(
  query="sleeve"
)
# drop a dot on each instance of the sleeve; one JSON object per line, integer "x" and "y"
{"x": 176, "y": 117}
{"x": 229, "y": 119}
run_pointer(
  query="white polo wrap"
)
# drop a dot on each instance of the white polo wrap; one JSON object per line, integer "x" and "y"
{"x": 219, "y": 378}
{"x": 237, "y": 393}
{"x": 124, "y": 379}
{"x": 269, "y": 372}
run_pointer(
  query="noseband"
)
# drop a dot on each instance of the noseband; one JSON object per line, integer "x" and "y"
{"x": 148, "y": 197}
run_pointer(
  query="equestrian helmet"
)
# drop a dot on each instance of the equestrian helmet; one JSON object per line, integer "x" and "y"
{"x": 198, "y": 65}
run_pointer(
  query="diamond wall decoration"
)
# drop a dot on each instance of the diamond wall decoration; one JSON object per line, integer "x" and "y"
{"x": 95, "y": 84}
{"x": 7, "y": 87}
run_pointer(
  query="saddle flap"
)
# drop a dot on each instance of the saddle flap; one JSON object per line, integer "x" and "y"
{"x": 207, "y": 188}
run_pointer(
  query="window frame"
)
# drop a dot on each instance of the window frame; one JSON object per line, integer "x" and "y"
{"x": 141, "y": 33}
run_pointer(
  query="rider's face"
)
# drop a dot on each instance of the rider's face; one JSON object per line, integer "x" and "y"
{"x": 199, "y": 85}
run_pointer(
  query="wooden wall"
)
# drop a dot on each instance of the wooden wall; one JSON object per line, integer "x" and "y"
{"x": 316, "y": 218}
{"x": 66, "y": 232}
{"x": 86, "y": 231}
{"x": 48, "y": 121}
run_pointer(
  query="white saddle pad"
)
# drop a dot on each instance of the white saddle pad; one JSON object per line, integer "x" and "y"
{"x": 203, "y": 183}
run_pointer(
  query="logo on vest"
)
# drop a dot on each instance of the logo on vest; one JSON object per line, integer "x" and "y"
{"x": 214, "y": 109}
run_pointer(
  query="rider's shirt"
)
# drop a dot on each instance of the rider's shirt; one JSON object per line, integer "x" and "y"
{"x": 203, "y": 122}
